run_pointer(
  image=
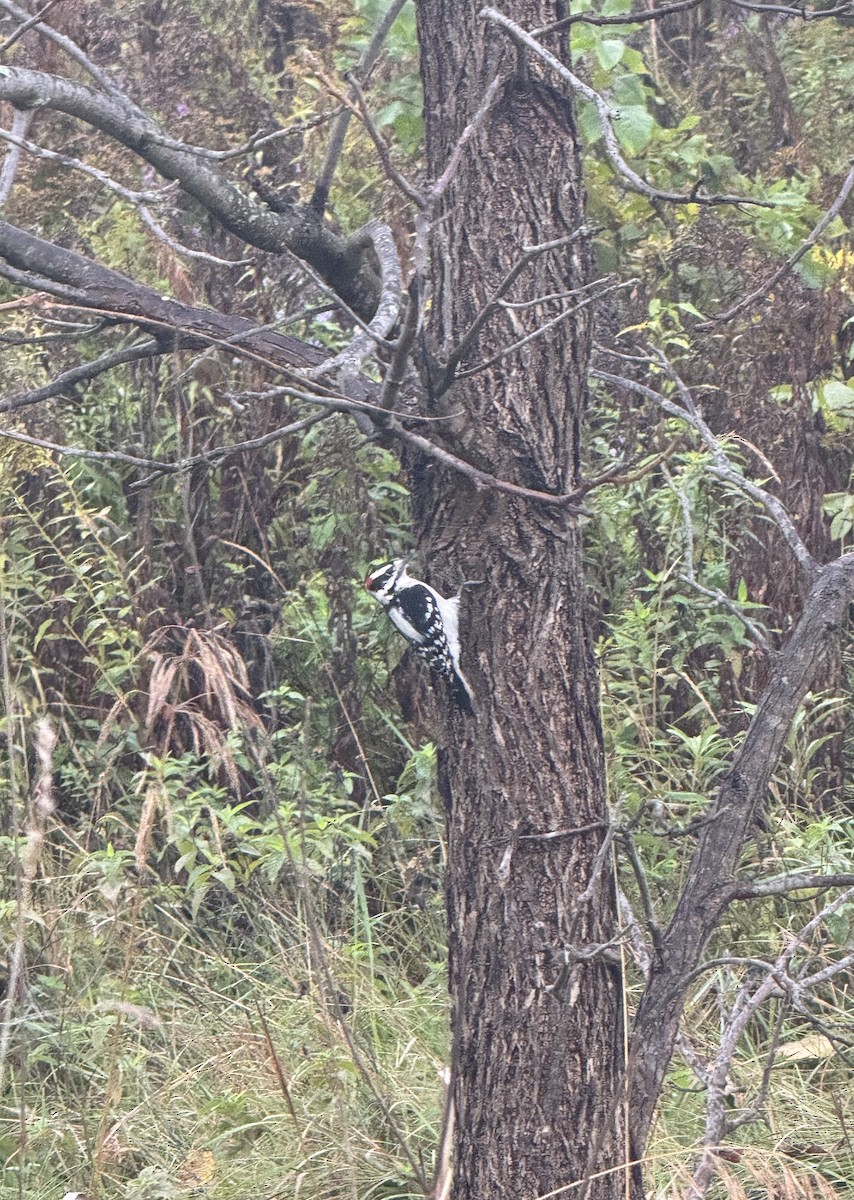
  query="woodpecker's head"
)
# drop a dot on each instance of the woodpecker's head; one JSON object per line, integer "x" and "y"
{"x": 384, "y": 581}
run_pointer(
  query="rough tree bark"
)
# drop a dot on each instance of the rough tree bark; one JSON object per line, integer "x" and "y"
{"x": 537, "y": 1039}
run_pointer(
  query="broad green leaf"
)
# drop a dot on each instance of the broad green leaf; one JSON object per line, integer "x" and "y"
{"x": 589, "y": 123}
{"x": 583, "y": 38}
{"x": 838, "y": 396}
{"x": 609, "y": 52}
{"x": 629, "y": 89}
{"x": 633, "y": 60}
{"x": 634, "y": 128}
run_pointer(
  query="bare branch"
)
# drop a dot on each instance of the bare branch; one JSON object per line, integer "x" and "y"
{"x": 349, "y": 361}
{"x": 362, "y": 69}
{"x": 74, "y": 52}
{"x": 630, "y": 18}
{"x": 762, "y": 292}
{"x": 438, "y": 189}
{"x": 252, "y": 144}
{"x": 639, "y": 16}
{"x": 483, "y": 479}
{"x": 638, "y": 942}
{"x": 34, "y": 263}
{"x": 343, "y": 261}
{"x": 607, "y": 115}
{"x": 16, "y": 138}
{"x": 828, "y": 972}
{"x": 179, "y": 248}
{"x": 20, "y": 125}
{"x": 543, "y": 329}
{"x": 777, "y": 981}
{"x": 786, "y": 10}
{"x": 529, "y": 254}
{"x": 643, "y": 890}
{"x": 755, "y": 889}
{"x": 213, "y": 457}
{"x": 116, "y": 456}
{"x": 26, "y": 27}
{"x": 621, "y": 474}
{"x": 81, "y": 374}
{"x": 401, "y": 183}
{"x": 401, "y": 361}
{"x": 708, "y": 886}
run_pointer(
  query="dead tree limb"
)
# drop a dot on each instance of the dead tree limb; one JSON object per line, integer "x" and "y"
{"x": 709, "y": 886}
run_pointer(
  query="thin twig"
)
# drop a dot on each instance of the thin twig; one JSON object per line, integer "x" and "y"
{"x": 76, "y": 164}
{"x": 20, "y": 124}
{"x": 529, "y": 254}
{"x": 440, "y": 186}
{"x": 755, "y": 889}
{"x": 621, "y": 473}
{"x": 339, "y": 130}
{"x": 762, "y": 292}
{"x": 73, "y": 51}
{"x": 777, "y": 981}
{"x": 786, "y": 10}
{"x": 401, "y": 183}
{"x": 643, "y": 891}
{"x": 629, "y": 18}
{"x": 81, "y": 374}
{"x": 542, "y": 329}
{"x": 213, "y": 458}
{"x": 279, "y": 1069}
{"x": 483, "y": 479}
{"x": 179, "y": 247}
{"x": 26, "y": 27}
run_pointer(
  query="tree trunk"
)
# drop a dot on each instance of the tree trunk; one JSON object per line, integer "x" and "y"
{"x": 537, "y": 1037}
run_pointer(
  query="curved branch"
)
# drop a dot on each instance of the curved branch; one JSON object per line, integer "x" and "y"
{"x": 722, "y": 467}
{"x": 322, "y": 188}
{"x": 606, "y": 116}
{"x": 81, "y": 374}
{"x": 341, "y": 261}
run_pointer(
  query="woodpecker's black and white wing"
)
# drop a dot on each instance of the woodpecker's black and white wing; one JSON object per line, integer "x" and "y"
{"x": 428, "y": 621}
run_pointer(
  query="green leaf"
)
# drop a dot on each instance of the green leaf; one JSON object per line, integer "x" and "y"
{"x": 584, "y": 38}
{"x": 609, "y": 52}
{"x": 634, "y": 128}
{"x": 629, "y": 90}
{"x": 589, "y": 123}
{"x": 633, "y": 60}
{"x": 838, "y": 396}
{"x": 841, "y": 525}
{"x": 42, "y": 630}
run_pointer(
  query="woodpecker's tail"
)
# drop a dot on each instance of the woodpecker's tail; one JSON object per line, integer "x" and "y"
{"x": 461, "y": 694}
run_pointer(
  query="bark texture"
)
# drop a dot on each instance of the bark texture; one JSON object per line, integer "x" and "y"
{"x": 537, "y": 1036}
